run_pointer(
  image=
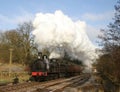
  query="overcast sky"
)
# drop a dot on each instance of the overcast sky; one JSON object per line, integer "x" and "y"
{"x": 96, "y": 13}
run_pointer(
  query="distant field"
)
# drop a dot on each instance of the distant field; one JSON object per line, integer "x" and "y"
{"x": 8, "y": 72}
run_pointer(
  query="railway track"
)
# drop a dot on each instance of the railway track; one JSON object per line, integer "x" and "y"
{"x": 57, "y": 85}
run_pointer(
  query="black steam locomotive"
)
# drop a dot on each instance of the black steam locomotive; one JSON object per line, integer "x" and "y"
{"x": 44, "y": 69}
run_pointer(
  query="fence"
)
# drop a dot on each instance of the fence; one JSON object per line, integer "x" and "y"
{"x": 8, "y": 77}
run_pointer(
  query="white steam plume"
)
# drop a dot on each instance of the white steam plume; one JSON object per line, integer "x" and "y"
{"x": 59, "y": 33}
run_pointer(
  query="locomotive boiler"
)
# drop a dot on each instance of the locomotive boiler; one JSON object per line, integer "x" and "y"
{"x": 44, "y": 69}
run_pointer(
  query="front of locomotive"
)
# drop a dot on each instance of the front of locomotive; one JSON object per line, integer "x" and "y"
{"x": 38, "y": 69}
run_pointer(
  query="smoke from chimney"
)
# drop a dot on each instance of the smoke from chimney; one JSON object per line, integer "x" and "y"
{"x": 58, "y": 33}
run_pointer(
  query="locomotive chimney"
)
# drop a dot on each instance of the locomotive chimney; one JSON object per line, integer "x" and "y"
{"x": 46, "y": 61}
{"x": 39, "y": 55}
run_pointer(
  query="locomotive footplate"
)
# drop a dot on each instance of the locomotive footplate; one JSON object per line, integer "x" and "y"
{"x": 39, "y": 74}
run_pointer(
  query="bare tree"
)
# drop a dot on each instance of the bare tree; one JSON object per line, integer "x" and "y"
{"x": 9, "y": 39}
{"x": 22, "y": 42}
{"x": 26, "y": 41}
{"x": 110, "y": 61}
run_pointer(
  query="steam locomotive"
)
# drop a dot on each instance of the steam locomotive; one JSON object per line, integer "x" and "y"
{"x": 44, "y": 69}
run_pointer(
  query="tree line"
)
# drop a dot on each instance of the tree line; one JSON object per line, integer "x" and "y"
{"x": 109, "y": 62}
{"x": 21, "y": 41}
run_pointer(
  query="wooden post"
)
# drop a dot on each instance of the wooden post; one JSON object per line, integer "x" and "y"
{"x": 10, "y": 62}
{"x": 0, "y": 76}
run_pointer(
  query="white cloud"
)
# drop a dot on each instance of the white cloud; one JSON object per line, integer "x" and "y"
{"x": 6, "y": 22}
{"x": 25, "y": 16}
{"x": 98, "y": 17}
{"x": 63, "y": 34}
{"x": 96, "y": 22}
{"x": 4, "y": 19}
{"x": 92, "y": 33}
